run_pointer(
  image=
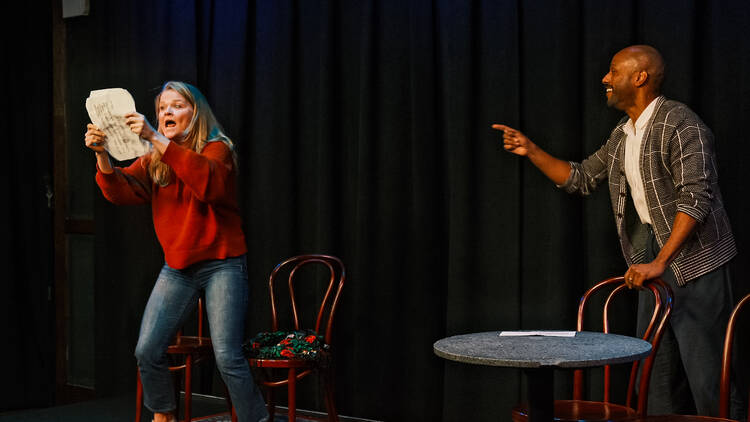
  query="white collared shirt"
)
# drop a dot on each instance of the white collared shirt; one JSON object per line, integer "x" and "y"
{"x": 634, "y": 139}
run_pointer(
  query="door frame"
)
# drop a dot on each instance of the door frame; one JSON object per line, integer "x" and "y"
{"x": 62, "y": 226}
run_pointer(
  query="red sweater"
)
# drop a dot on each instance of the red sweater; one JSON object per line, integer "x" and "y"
{"x": 196, "y": 216}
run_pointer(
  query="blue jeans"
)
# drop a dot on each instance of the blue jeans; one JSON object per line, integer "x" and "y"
{"x": 172, "y": 301}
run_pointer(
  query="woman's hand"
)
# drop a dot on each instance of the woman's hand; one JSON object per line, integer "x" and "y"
{"x": 95, "y": 139}
{"x": 140, "y": 126}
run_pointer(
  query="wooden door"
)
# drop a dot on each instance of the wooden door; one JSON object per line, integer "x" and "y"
{"x": 74, "y": 245}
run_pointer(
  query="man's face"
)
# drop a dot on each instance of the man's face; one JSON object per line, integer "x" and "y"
{"x": 618, "y": 82}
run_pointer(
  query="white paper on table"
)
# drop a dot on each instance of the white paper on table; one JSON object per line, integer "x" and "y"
{"x": 107, "y": 108}
{"x": 538, "y": 333}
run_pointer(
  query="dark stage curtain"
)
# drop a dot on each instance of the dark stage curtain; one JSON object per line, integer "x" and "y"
{"x": 363, "y": 131}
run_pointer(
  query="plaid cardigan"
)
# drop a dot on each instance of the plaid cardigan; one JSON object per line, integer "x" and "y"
{"x": 678, "y": 167}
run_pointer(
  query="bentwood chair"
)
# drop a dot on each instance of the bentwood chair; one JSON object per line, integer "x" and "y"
{"x": 605, "y": 410}
{"x": 328, "y": 274}
{"x": 185, "y": 352}
{"x": 725, "y": 383}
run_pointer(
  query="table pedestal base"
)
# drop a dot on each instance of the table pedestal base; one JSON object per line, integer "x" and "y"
{"x": 539, "y": 394}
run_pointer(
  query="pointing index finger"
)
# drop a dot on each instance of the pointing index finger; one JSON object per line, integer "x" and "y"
{"x": 504, "y": 128}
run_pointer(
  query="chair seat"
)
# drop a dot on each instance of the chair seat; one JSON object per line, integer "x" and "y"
{"x": 681, "y": 418}
{"x": 322, "y": 361}
{"x": 282, "y": 363}
{"x": 581, "y": 410}
{"x": 191, "y": 344}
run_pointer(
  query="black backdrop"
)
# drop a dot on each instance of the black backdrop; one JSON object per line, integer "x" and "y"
{"x": 363, "y": 130}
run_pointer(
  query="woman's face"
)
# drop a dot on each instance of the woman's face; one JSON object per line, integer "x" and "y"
{"x": 175, "y": 114}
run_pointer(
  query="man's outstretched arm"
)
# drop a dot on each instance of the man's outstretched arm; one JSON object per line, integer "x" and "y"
{"x": 517, "y": 143}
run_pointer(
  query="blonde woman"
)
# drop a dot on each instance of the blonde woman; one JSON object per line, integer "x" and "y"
{"x": 189, "y": 177}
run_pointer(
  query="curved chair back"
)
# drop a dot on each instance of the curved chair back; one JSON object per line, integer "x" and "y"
{"x": 725, "y": 383}
{"x": 660, "y": 316}
{"x": 290, "y": 269}
{"x": 726, "y": 362}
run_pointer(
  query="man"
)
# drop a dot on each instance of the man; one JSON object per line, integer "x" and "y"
{"x": 663, "y": 184}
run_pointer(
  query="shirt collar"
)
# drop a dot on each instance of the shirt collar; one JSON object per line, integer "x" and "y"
{"x": 642, "y": 121}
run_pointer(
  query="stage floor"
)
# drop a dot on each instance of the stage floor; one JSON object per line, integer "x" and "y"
{"x": 122, "y": 408}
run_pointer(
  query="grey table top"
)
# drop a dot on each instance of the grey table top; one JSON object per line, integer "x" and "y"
{"x": 585, "y": 349}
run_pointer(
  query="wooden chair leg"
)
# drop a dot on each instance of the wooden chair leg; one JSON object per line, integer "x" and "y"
{"x": 138, "y": 396}
{"x": 292, "y": 394}
{"x": 188, "y": 387}
{"x": 177, "y": 383}
{"x": 327, "y": 377}
{"x": 271, "y": 404}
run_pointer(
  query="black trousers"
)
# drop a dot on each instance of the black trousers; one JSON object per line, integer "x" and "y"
{"x": 687, "y": 369}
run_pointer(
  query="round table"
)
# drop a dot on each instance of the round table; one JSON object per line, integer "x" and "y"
{"x": 540, "y": 355}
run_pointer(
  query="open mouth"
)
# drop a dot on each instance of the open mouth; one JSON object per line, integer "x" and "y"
{"x": 169, "y": 123}
{"x": 608, "y": 89}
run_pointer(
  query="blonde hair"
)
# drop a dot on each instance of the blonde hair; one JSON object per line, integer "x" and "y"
{"x": 203, "y": 128}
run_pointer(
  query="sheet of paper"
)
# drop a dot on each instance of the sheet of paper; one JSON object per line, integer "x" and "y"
{"x": 107, "y": 108}
{"x": 538, "y": 333}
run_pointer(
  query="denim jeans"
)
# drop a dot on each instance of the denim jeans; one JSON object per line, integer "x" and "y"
{"x": 172, "y": 301}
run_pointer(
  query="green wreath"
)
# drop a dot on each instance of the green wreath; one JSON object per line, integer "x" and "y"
{"x": 305, "y": 345}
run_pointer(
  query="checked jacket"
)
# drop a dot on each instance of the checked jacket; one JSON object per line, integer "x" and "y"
{"x": 678, "y": 167}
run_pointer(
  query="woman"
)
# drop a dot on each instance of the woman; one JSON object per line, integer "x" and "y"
{"x": 189, "y": 179}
